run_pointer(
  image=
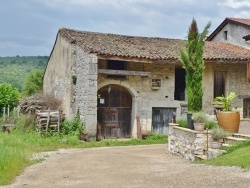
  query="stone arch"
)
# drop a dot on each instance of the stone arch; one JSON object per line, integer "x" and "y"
{"x": 135, "y": 96}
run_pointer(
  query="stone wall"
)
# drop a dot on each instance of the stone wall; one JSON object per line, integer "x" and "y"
{"x": 85, "y": 90}
{"x": 235, "y": 32}
{"x": 57, "y": 78}
{"x": 190, "y": 144}
{"x": 236, "y": 80}
{"x": 145, "y": 97}
{"x": 71, "y": 76}
{"x": 185, "y": 142}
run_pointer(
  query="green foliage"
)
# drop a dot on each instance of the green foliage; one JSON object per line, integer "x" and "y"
{"x": 210, "y": 124}
{"x": 18, "y": 147}
{"x": 154, "y": 136}
{"x": 9, "y": 95}
{"x": 226, "y": 101}
{"x": 237, "y": 155}
{"x": 14, "y": 70}
{"x": 192, "y": 61}
{"x": 199, "y": 117}
{"x": 72, "y": 127}
{"x": 218, "y": 134}
{"x": 182, "y": 121}
{"x": 34, "y": 82}
{"x": 25, "y": 123}
{"x": 237, "y": 146}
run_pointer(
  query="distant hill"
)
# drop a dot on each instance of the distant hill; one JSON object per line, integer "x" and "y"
{"x": 14, "y": 70}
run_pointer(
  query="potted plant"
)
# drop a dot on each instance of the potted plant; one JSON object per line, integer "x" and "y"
{"x": 228, "y": 119}
{"x": 217, "y": 135}
{"x": 199, "y": 119}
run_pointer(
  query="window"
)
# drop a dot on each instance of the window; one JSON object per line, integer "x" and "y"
{"x": 116, "y": 65}
{"x": 219, "y": 83}
{"x": 225, "y": 35}
{"x": 180, "y": 84}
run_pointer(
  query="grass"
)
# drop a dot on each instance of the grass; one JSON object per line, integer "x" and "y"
{"x": 238, "y": 155}
{"x": 17, "y": 148}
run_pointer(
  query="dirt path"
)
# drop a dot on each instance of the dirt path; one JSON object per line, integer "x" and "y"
{"x": 135, "y": 166}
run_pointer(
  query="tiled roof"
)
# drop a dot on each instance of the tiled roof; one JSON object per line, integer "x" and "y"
{"x": 241, "y": 21}
{"x": 151, "y": 48}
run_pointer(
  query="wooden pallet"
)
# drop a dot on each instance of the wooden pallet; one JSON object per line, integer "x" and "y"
{"x": 48, "y": 121}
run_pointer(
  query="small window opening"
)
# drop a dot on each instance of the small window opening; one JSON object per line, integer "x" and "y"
{"x": 225, "y": 35}
{"x": 116, "y": 65}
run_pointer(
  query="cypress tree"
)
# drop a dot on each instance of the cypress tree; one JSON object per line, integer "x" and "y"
{"x": 191, "y": 58}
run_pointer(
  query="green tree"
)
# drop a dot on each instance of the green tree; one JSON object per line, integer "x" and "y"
{"x": 34, "y": 82}
{"x": 192, "y": 60}
{"x": 9, "y": 95}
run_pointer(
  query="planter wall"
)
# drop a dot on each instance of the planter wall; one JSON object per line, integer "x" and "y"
{"x": 185, "y": 142}
{"x": 189, "y": 143}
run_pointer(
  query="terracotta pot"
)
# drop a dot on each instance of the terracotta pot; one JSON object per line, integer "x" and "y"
{"x": 215, "y": 145}
{"x": 199, "y": 126}
{"x": 145, "y": 133}
{"x": 229, "y": 121}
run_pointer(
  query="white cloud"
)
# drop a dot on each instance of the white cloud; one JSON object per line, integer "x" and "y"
{"x": 235, "y": 4}
{"x": 34, "y": 23}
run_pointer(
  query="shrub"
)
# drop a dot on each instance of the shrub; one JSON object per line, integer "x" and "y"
{"x": 9, "y": 95}
{"x": 218, "y": 134}
{"x": 199, "y": 117}
{"x": 26, "y": 123}
{"x": 72, "y": 127}
{"x": 34, "y": 82}
{"x": 182, "y": 121}
{"x": 209, "y": 124}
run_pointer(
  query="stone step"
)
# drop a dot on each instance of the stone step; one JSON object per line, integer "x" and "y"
{"x": 200, "y": 157}
{"x": 233, "y": 140}
{"x": 245, "y": 136}
{"x": 226, "y": 145}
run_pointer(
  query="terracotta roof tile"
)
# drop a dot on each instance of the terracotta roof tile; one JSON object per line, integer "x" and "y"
{"x": 152, "y": 48}
{"x": 241, "y": 20}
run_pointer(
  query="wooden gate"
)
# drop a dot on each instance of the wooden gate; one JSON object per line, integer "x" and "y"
{"x": 114, "y": 98}
{"x": 161, "y": 117}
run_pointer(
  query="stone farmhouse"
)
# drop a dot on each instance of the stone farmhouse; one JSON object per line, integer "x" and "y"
{"x": 118, "y": 81}
{"x": 233, "y": 30}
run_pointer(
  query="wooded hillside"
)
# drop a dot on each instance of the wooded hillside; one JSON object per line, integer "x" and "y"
{"x": 14, "y": 70}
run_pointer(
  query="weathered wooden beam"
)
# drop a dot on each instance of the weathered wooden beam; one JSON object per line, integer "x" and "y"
{"x": 124, "y": 72}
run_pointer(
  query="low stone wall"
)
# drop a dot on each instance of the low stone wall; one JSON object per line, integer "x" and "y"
{"x": 186, "y": 142}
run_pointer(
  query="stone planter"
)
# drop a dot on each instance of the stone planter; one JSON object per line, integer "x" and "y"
{"x": 215, "y": 145}
{"x": 199, "y": 126}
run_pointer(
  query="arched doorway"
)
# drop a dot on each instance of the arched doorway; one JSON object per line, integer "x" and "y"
{"x": 114, "y": 98}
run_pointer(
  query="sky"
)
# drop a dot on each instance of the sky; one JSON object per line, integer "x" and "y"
{"x": 29, "y": 27}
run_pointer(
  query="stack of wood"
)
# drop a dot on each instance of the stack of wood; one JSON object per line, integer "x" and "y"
{"x": 29, "y": 105}
{"x": 47, "y": 120}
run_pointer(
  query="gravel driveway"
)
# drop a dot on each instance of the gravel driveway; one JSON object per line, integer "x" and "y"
{"x": 128, "y": 166}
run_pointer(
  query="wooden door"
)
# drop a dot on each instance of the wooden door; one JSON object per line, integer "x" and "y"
{"x": 161, "y": 117}
{"x": 110, "y": 98}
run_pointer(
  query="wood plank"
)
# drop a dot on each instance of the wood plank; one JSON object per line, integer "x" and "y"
{"x": 124, "y": 72}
